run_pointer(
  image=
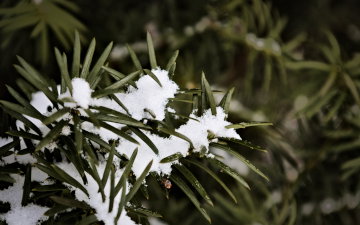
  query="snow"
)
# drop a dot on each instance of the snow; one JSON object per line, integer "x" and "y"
{"x": 108, "y": 103}
{"x": 169, "y": 146}
{"x": 95, "y": 199}
{"x": 66, "y": 131}
{"x": 199, "y": 130}
{"x": 51, "y": 146}
{"x": 81, "y": 92}
{"x": 38, "y": 175}
{"x": 171, "y": 110}
{"x": 166, "y": 147}
{"x": 5, "y": 141}
{"x": 18, "y": 214}
{"x": 105, "y": 134}
{"x": 149, "y": 95}
{"x": 12, "y": 158}
{"x": 22, "y": 159}
{"x": 40, "y": 102}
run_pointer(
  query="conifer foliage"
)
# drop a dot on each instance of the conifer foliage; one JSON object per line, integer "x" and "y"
{"x": 81, "y": 151}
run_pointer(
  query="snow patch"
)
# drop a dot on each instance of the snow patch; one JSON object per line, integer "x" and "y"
{"x": 196, "y": 131}
{"x": 95, "y": 199}
{"x": 149, "y": 96}
{"x": 81, "y": 92}
{"x": 18, "y": 214}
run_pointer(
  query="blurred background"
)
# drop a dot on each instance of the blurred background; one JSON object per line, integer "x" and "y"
{"x": 293, "y": 63}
